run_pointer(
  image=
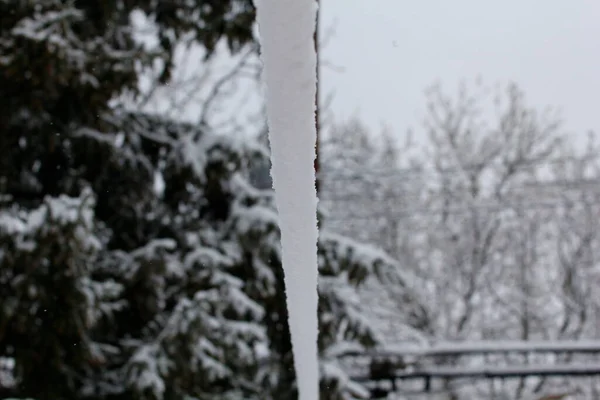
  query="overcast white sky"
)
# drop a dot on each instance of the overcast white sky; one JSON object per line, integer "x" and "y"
{"x": 391, "y": 50}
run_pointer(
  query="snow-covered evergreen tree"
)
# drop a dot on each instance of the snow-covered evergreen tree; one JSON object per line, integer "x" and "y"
{"x": 136, "y": 259}
{"x": 185, "y": 312}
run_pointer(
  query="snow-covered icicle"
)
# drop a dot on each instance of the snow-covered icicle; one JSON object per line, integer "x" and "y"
{"x": 289, "y": 59}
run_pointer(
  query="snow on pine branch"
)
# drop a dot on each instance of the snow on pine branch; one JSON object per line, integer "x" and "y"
{"x": 341, "y": 254}
{"x": 286, "y": 34}
{"x": 75, "y": 213}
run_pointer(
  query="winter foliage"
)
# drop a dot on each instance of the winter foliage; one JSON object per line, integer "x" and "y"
{"x": 137, "y": 259}
{"x": 493, "y": 223}
{"x": 141, "y": 256}
{"x": 182, "y": 313}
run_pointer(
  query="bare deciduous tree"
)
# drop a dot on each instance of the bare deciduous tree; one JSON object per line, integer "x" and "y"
{"x": 497, "y": 226}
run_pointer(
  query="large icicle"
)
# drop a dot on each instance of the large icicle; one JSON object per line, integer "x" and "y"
{"x": 286, "y": 33}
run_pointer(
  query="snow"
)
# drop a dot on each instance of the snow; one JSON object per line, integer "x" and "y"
{"x": 334, "y": 373}
{"x": 148, "y": 368}
{"x": 11, "y": 225}
{"x": 7, "y": 378}
{"x": 62, "y": 211}
{"x": 286, "y": 32}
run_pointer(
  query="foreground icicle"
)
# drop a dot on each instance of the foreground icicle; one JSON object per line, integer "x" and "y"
{"x": 286, "y": 32}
